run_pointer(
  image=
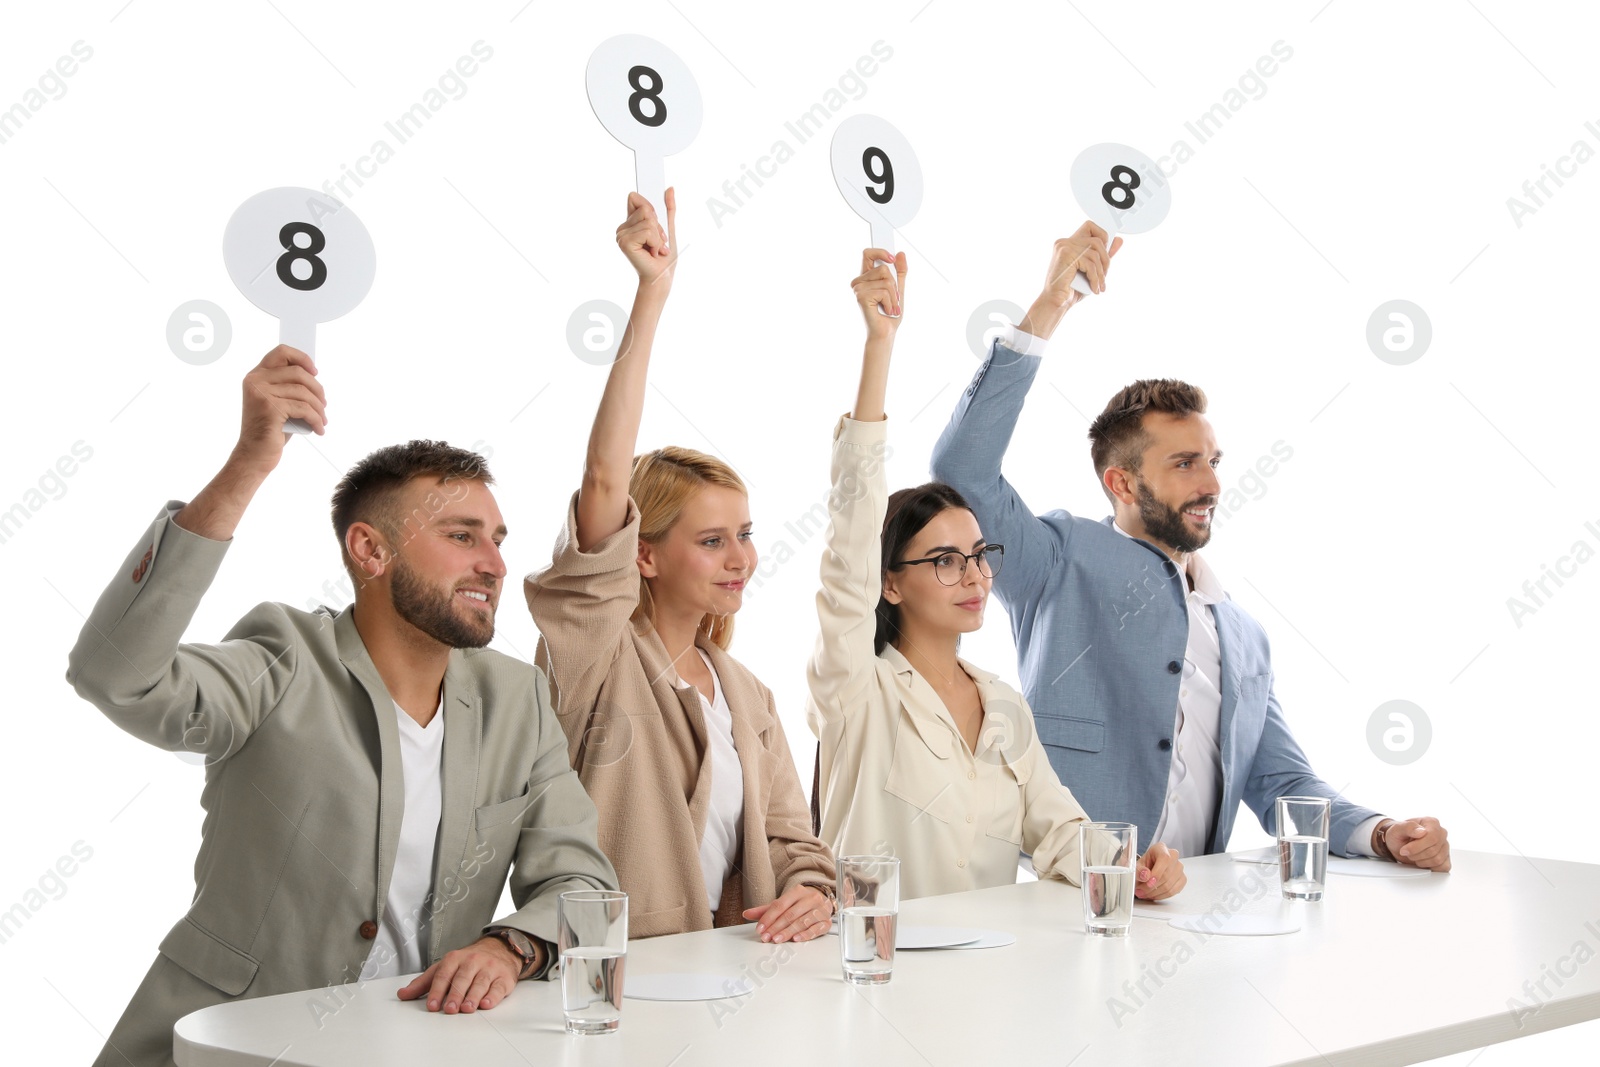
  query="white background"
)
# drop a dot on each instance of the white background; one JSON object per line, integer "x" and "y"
{"x": 1375, "y": 165}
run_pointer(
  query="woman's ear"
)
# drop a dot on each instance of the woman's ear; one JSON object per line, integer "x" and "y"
{"x": 647, "y": 559}
{"x": 890, "y": 593}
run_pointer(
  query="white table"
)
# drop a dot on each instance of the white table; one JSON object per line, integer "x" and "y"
{"x": 1383, "y": 971}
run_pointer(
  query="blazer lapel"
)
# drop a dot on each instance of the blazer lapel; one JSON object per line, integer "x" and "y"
{"x": 688, "y": 734}
{"x": 458, "y": 780}
{"x": 391, "y": 775}
{"x": 1230, "y": 640}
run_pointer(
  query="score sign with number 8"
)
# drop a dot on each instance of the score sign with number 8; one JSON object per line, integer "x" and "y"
{"x": 301, "y": 257}
{"x": 1121, "y": 190}
{"x": 645, "y": 97}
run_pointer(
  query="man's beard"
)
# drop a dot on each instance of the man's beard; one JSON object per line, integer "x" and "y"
{"x": 432, "y": 611}
{"x": 1168, "y": 526}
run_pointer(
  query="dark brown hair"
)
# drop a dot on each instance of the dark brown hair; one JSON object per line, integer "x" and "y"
{"x": 908, "y": 512}
{"x": 367, "y": 493}
{"x": 1117, "y": 436}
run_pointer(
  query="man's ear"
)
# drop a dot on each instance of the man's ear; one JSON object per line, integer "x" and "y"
{"x": 647, "y": 559}
{"x": 1119, "y": 481}
{"x": 367, "y": 549}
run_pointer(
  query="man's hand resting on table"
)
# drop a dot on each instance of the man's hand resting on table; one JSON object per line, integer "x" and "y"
{"x": 478, "y": 976}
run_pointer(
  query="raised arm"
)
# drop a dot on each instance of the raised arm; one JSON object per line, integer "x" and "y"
{"x": 128, "y": 661}
{"x": 602, "y": 507}
{"x": 851, "y": 569}
{"x": 969, "y": 454}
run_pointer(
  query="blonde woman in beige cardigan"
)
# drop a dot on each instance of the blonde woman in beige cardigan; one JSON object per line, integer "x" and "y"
{"x": 922, "y": 754}
{"x": 679, "y": 745}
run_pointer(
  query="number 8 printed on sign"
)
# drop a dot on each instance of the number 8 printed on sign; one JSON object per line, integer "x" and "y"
{"x": 301, "y": 257}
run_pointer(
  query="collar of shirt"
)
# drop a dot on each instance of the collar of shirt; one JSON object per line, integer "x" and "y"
{"x": 1006, "y": 726}
{"x": 1203, "y": 581}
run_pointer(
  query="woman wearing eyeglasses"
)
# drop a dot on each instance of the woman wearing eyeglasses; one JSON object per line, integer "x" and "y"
{"x": 923, "y": 755}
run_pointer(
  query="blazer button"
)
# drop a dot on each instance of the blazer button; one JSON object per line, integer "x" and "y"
{"x": 369, "y": 930}
{"x": 1174, "y": 667}
{"x": 1164, "y": 744}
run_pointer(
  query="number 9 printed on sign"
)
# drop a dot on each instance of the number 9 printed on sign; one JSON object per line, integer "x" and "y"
{"x": 303, "y": 258}
{"x": 645, "y": 97}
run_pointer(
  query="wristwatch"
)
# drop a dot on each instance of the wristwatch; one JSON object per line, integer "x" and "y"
{"x": 1380, "y": 843}
{"x": 519, "y": 943}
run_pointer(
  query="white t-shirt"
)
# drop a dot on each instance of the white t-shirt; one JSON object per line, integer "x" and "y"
{"x": 719, "y": 846}
{"x": 403, "y": 933}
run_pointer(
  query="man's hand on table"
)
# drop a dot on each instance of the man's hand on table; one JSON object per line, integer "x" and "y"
{"x": 1418, "y": 843}
{"x": 478, "y": 976}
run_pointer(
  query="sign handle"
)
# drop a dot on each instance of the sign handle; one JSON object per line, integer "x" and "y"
{"x": 301, "y": 335}
{"x": 883, "y": 237}
{"x": 650, "y": 182}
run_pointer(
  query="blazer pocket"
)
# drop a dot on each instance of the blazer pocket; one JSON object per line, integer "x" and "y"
{"x": 1085, "y": 735}
{"x": 660, "y": 921}
{"x": 209, "y": 958}
{"x": 492, "y": 815}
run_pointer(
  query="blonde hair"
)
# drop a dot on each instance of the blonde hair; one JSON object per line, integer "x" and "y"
{"x": 661, "y": 485}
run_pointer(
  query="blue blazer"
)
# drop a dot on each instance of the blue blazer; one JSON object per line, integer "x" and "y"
{"x": 1101, "y": 625}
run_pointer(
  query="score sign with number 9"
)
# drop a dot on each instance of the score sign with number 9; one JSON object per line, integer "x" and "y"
{"x": 878, "y": 175}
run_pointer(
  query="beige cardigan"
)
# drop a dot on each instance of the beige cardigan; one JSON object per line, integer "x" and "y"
{"x": 638, "y": 744}
{"x": 896, "y": 776}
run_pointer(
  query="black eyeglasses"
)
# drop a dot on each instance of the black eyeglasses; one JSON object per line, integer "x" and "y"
{"x": 951, "y": 567}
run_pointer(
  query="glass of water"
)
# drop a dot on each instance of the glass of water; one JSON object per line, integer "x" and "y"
{"x": 592, "y": 936}
{"x": 869, "y": 904}
{"x": 1303, "y": 846}
{"x": 1109, "y": 855}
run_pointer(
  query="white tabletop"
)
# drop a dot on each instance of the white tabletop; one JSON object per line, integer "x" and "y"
{"x": 1382, "y": 971}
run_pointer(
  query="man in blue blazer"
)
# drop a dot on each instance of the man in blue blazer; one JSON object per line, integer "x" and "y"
{"x": 1152, "y": 690}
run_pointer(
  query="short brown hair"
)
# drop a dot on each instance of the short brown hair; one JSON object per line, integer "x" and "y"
{"x": 1117, "y": 436}
{"x": 368, "y": 490}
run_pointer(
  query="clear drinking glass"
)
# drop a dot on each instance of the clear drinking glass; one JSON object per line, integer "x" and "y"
{"x": 869, "y": 904}
{"x": 1109, "y": 855}
{"x": 1303, "y": 846}
{"x": 592, "y": 936}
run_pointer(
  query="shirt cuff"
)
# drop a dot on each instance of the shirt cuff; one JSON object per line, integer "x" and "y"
{"x": 1023, "y": 343}
{"x": 1360, "y": 843}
